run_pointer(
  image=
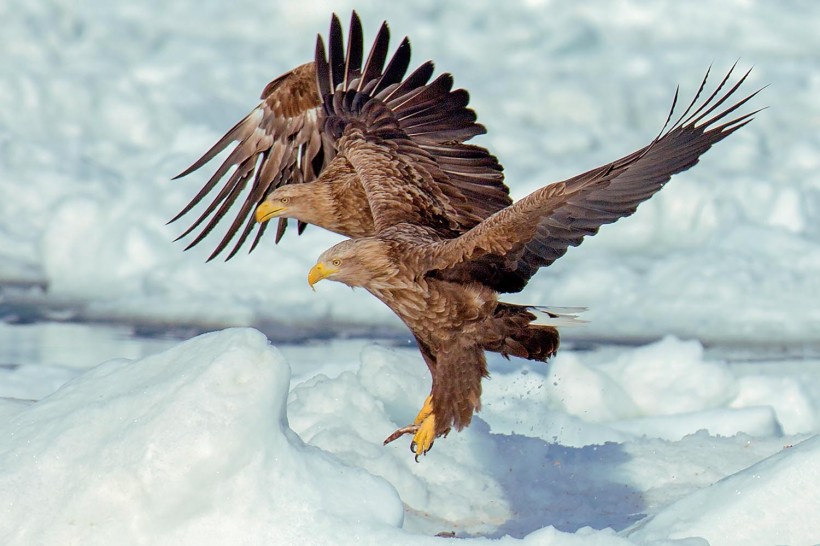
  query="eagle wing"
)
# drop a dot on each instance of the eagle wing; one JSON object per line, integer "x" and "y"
{"x": 283, "y": 140}
{"x": 405, "y": 143}
{"x": 505, "y": 250}
{"x": 279, "y": 142}
{"x": 448, "y": 187}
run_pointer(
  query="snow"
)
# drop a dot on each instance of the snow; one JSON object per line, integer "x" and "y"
{"x": 204, "y": 444}
{"x": 761, "y": 517}
{"x": 697, "y": 426}
{"x": 187, "y": 446}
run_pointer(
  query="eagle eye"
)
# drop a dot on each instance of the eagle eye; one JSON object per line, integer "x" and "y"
{"x": 337, "y": 262}
{"x": 284, "y": 200}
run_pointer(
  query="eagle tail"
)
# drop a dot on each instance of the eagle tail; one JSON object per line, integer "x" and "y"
{"x": 557, "y": 316}
{"x": 528, "y": 331}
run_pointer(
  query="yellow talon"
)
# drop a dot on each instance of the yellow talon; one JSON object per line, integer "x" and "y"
{"x": 425, "y": 435}
{"x": 425, "y": 411}
{"x": 423, "y": 430}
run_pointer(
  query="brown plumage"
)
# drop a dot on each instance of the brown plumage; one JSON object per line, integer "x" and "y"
{"x": 445, "y": 287}
{"x": 284, "y": 142}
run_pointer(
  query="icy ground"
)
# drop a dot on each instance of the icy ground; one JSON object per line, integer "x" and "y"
{"x": 655, "y": 443}
{"x": 193, "y": 446}
{"x": 604, "y": 446}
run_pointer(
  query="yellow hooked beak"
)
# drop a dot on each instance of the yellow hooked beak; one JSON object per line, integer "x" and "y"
{"x": 268, "y": 210}
{"x": 318, "y": 272}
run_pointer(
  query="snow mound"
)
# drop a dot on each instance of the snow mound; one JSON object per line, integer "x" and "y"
{"x": 771, "y": 502}
{"x": 668, "y": 389}
{"x": 190, "y": 446}
{"x": 193, "y": 446}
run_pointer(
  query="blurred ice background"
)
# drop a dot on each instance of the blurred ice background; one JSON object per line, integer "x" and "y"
{"x": 104, "y": 102}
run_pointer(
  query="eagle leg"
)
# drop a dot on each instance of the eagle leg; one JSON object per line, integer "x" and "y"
{"x": 423, "y": 430}
{"x": 425, "y": 412}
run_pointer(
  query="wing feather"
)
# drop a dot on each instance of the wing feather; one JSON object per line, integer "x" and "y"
{"x": 283, "y": 140}
{"x": 374, "y": 65}
{"x": 336, "y": 51}
{"x": 355, "y": 46}
{"x": 282, "y": 130}
{"x": 540, "y": 228}
{"x": 396, "y": 69}
{"x": 414, "y": 82}
{"x": 449, "y": 186}
{"x": 402, "y": 181}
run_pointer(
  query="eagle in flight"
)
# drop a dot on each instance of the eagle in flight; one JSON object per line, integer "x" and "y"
{"x": 364, "y": 151}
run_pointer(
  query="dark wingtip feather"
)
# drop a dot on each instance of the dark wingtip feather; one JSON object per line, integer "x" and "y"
{"x": 378, "y": 54}
{"x": 214, "y": 150}
{"x": 259, "y": 232}
{"x": 707, "y": 107}
{"x": 322, "y": 67}
{"x": 207, "y": 156}
{"x": 418, "y": 78}
{"x": 336, "y": 51}
{"x": 280, "y": 229}
{"x": 355, "y": 45}
{"x": 694, "y": 99}
{"x": 242, "y": 237}
{"x": 396, "y": 68}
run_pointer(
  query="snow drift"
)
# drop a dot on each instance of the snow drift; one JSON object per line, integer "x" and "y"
{"x": 193, "y": 446}
{"x": 187, "y": 447}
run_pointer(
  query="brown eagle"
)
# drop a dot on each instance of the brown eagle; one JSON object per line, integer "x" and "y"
{"x": 283, "y": 143}
{"x": 445, "y": 286}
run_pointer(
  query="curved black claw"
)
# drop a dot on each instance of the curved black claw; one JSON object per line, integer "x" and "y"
{"x": 414, "y": 449}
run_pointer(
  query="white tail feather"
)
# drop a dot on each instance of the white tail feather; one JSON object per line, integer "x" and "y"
{"x": 557, "y": 316}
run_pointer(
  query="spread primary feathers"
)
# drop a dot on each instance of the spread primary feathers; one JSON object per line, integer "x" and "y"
{"x": 285, "y": 142}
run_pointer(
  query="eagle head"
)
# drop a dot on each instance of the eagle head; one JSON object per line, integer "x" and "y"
{"x": 289, "y": 201}
{"x": 355, "y": 262}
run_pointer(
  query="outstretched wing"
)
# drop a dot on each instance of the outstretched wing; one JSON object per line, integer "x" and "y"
{"x": 283, "y": 140}
{"x": 508, "y": 248}
{"x": 279, "y": 142}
